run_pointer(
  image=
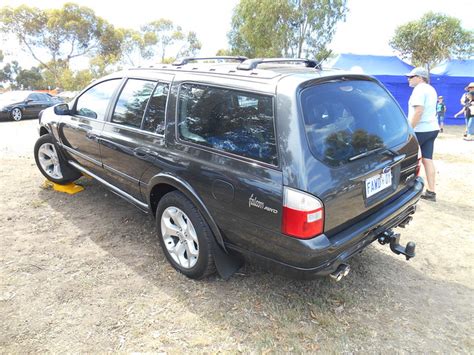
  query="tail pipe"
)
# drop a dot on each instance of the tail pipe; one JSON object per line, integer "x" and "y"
{"x": 341, "y": 271}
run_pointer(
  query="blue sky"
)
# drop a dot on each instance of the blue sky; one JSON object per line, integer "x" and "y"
{"x": 368, "y": 27}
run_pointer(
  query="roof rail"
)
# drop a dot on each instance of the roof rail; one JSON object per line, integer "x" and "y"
{"x": 250, "y": 64}
{"x": 186, "y": 60}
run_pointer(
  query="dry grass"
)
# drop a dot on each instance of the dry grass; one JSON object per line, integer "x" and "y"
{"x": 84, "y": 273}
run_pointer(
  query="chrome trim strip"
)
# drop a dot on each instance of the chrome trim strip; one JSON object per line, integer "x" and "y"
{"x": 83, "y": 156}
{"x": 121, "y": 174}
{"x": 121, "y": 193}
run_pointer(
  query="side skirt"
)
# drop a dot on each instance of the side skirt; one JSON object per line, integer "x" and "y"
{"x": 127, "y": 197}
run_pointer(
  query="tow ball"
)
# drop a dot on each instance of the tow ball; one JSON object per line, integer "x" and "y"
{"x": 392, "y": 238}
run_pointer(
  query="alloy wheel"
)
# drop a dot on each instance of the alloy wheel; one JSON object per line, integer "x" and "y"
{"x": 16, "y": 114}
{"x": 179, "y": 237}
{"x": 49, "y": 161}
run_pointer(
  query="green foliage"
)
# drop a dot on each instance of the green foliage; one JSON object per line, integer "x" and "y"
{"x": 432, "y": 39}
{"x": 290, "y": 28}
{"x": 160, "y": 35}
{"x": 53, "y": 37}
{"x": 9, "y": 72}
{"x": 30, "y": 79}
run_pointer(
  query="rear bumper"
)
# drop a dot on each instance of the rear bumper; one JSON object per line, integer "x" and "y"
{"x": 322, "y": 255}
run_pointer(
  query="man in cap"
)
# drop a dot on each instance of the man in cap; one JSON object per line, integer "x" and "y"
{"x": 465, "y": 102}
{"x": 422, "y": 117}
{"x": 467, "y": 89}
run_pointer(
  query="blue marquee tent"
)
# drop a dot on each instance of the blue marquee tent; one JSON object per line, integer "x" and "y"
{"x": 449, "y": 79}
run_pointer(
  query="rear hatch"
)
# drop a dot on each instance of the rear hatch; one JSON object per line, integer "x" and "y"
{"x": 365, "y": 153}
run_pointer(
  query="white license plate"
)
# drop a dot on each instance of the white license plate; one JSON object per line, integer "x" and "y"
{"x": 377, "y": 183}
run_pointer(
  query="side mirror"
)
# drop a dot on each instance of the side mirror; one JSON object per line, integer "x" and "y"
{"x": 61, "y": 109}
{"x": 27, "y": 101}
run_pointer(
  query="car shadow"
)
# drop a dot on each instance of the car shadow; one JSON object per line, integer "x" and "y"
{"x": 383, "y": 296}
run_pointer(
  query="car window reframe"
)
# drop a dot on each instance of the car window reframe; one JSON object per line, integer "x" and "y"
{"x": 220, "y": 151}
{"x": 139, "y": 129}
{"x": 107, "y": 110}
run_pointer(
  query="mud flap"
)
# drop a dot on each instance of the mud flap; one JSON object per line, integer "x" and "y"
{"x": 226, "y": 264}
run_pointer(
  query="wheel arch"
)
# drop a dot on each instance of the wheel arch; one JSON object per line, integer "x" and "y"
{"x": 43, "y": 130}
{"x": 163, "y": 183}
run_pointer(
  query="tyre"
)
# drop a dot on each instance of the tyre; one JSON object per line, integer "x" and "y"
{"x": 16, "y": 114}
{"x": 51, "y": 165}
{"x": 185, "y": 236}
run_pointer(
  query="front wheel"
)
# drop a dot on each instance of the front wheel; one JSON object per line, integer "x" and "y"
{"x": 16, "y": 114}
{"x": 51, "y": 165}
{"x": 185, "y": 236}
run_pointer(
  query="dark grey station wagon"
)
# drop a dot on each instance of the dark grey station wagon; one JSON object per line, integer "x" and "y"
{"x": 275, "y": 160}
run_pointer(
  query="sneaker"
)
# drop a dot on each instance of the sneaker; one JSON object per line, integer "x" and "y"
{"x": 469, "y": 137}
{"x": 441, "y": 130}
{"x": 429, "y": 196}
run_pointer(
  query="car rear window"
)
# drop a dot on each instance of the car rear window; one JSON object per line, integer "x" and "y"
{"x": 347, "y": 118}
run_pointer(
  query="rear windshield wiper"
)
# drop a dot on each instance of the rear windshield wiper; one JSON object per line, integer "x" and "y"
{"x": 385, "y": 151}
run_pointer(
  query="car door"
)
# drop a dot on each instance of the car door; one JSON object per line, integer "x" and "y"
{"x": 79, "y": 132}
{"x": 132, "y": 138}
{"x": 33, "y": 105}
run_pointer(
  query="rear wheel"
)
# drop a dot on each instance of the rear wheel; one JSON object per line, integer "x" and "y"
{"x": 185, "y": 236}
{"x": 16, "y": 114}
{"x": 51, "y": 165}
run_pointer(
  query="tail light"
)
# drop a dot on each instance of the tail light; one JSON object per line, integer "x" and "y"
{"x": 303, "y": 214}
{"x": 418, "y": 163}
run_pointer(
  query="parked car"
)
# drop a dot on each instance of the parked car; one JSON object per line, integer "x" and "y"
{"x": 274, "y": 160}
{"x": 24, "y": 104}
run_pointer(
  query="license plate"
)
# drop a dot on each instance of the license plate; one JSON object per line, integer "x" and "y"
{"x": 377, "y": 183}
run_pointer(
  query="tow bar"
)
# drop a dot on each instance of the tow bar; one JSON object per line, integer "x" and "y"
{"x": 392, "y": 238}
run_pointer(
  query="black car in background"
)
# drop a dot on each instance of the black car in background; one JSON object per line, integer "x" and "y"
{"x": 276, "y": 160}
{"x": 24, "y": 104}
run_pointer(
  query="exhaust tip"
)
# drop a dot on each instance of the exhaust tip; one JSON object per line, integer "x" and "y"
{"x": 341, "y": 271}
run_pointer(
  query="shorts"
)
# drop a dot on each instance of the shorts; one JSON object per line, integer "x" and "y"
{"x": 440, "y": 119}
{"x": 426, "y": 142}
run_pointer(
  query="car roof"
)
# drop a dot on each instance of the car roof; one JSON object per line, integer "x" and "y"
{"x": 264, "y": 73}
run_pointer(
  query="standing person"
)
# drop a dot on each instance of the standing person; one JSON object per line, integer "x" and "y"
{"x": 465, "y": 103}
{"x": 440, "y": 112}
{"x": 422, "y": 117}
{"x": 469, "y": 114}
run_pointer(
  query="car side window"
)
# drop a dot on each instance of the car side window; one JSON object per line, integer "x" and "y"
{"x": 132, "y": 102}
{"x": 44, "y": 97}
{"x": 93, "y": 103}
{"x": 237, "y": 122}
{"x": 154, "y": 120}
{"x": 32, "y": 97}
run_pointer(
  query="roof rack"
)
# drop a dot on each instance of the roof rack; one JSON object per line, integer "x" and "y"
{"x": 250, "y": 64}
{"x": 186, "y": 60}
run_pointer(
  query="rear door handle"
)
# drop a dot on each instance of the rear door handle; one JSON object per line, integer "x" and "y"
{"x": 91, "y": 136}
{"x": 144, "y": 151}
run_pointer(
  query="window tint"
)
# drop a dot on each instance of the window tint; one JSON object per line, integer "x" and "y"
{"x": 347, "y": 118}
{"x": 46, "y": 97}
{"x": 34, "y": 97}
{"x": 93, "y": 103}
{"x": 154, "y": 120}
{"x": 232, "y": 121}
{"x": 132, "y": 102}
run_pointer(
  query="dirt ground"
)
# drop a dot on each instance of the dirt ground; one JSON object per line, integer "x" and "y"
{"x": 85, "y": 273}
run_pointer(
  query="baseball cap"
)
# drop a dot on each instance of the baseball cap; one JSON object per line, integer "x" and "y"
{"x": 419, "y": 71}
{"x": 470, "y": 86}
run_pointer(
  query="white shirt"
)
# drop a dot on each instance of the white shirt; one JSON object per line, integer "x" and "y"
{"x": 424, "y": 95}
